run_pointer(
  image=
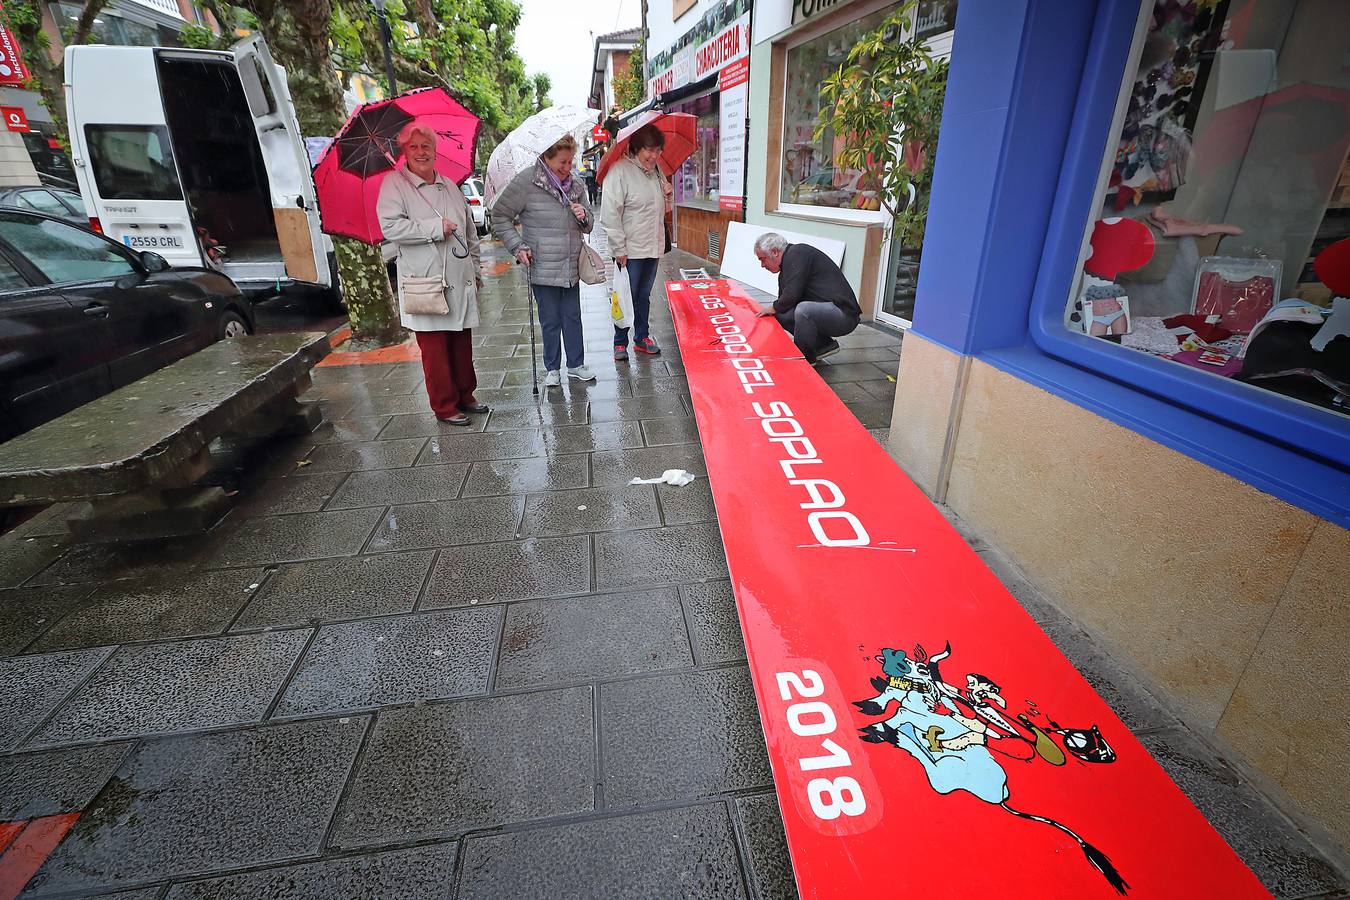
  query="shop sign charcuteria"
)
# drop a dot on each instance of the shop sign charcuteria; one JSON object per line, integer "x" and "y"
{"x": 721, "y": 37}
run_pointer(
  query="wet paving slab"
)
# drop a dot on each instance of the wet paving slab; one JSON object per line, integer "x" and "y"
{"x": 334, "y": 590}
{"x": 688, "y": 852}
{"x": 534, "y": 568}
{"x": 586, "y": 638}
{"x": 709, "y": 741}
{"x": 174, "y": 687}
{"x": 385, "y": 662}
{"x": 439, "y": 770}
{"x": 421, "y": 873}
{"x": 421, "y": 660}
{"x": 201, "y": 804}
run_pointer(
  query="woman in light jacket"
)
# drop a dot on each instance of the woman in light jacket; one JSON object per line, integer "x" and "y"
{"x": 554, "y": 212}
{"x": 421, "y": 213}
{"x": 633, "y": 203}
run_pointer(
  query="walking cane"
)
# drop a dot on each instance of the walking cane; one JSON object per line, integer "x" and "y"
{"x": 534, "y": 367}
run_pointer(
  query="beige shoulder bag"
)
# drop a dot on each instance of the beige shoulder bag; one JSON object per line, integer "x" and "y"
{"x": 425, "y": 295}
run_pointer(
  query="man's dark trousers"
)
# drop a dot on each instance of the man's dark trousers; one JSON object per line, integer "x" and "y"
{"x": 813, "y": 323}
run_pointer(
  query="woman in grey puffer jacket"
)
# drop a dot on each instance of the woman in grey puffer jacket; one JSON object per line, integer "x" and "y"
{"x": 554, "y": 213}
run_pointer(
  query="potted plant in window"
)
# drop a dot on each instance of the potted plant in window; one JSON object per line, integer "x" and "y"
{"x": 883, "y": 106}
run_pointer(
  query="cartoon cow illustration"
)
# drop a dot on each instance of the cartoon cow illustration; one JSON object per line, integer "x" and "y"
{"x": 953, "y": 747}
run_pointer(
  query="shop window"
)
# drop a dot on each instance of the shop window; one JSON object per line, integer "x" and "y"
{"x": 696, "y": 183}
{"x": 1223, "y": 240}
{"x": 810, "y": 176}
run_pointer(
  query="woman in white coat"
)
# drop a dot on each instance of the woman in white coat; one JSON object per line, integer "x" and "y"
{"x": 424, "y": 215}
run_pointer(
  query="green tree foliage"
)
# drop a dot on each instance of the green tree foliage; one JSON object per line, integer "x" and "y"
{"x": 884, "y": 106}
{"x": 630, "y": 88}
{"x": 24, "y": 20}
{"x": 542, "y": 84}
{"x": 464, "y": 46}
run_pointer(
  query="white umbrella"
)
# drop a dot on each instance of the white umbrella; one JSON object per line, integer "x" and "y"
{"x": 519, "y": 149}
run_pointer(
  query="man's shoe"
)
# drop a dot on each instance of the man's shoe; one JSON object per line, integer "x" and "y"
{"x": 581, "y": 373}
{"x": 620, "y": 353}
{"x": 552, "y": 379}
{"x": 829, "y": 348}
{"x": 475, "y": 408}
{"x": 647, "y": 345}
{"x": 456, "y": 419}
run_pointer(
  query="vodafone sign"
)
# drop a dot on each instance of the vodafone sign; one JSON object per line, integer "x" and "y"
{"x": 14, "y": 117}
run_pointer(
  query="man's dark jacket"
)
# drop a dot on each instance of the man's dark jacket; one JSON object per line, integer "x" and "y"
{"x": 807, "y": 274}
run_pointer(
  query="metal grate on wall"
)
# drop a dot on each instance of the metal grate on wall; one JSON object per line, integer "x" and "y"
{"x": 715, "y": 245}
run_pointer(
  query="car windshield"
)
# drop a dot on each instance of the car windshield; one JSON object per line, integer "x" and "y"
{"x": 62, "y": 252}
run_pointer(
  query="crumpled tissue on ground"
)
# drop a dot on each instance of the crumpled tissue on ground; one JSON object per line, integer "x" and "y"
{"x": 677, "y": 477}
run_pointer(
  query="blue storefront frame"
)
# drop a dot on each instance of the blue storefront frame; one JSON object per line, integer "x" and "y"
{"x": 1030, "y": 106}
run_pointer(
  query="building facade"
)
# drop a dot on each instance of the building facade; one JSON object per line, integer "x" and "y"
{"x": 792, "y": 180}
{"x": 127, "y": 23}
{"x": 1128, "y": 359}
{"x": 609, "y": 63}
{"x": 697, "y": 62}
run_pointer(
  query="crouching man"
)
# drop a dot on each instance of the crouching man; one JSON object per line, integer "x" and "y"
{"x": 815, "y": 302}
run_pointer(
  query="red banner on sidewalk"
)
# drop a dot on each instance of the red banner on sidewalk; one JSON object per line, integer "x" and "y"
{"x": 12, "y": 70}
{"x": 927, "y": 739}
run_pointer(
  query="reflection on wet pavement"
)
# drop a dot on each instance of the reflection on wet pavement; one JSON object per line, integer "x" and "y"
{"x": 417, "y": 657}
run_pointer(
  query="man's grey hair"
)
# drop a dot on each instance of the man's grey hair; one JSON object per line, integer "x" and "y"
{"x": 770, "y": 241}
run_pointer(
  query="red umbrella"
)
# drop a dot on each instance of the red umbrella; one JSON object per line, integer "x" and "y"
{"x": 350, "y": 172}
{"x": 680, "y": 143}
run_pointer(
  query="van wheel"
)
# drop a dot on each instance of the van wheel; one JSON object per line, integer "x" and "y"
{"x": 232, "y": 325}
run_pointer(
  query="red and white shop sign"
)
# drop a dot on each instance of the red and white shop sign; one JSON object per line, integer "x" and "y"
{"x": 926, "y": 737}
{"x": 734, "y": 74}
{"x": 728, "y": 44}
{"x": 14, "y": 117}
{"x": 12, "y": 70}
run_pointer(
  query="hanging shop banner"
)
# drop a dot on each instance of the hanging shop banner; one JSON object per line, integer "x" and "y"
{"x": 734, "y": 84}
{"x": 927, "y": 738}
{"x": 12, "y": 70}
{"x": 721, "y": 36}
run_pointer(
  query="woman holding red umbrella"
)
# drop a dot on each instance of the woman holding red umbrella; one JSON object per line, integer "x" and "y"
{"x": 633, "y": 210}
{"x": 425, "y": 216}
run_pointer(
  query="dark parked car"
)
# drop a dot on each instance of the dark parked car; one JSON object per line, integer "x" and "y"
{"x": 81, "y": 315}
{"x": 53, "y": 201}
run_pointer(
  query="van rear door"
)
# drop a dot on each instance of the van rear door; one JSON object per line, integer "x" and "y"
{"x": 123, "y": 154}
{"x": 292, "y": 183}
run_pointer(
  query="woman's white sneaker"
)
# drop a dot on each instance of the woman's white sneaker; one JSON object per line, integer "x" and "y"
{"x": 552, "y": 379}
{"x": 581, "y": 373}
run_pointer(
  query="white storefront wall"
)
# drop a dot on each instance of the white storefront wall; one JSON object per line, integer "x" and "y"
{"x": 773, "y": 23}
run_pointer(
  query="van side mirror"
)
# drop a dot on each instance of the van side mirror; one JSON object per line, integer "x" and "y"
{"x": 153, "y": 262}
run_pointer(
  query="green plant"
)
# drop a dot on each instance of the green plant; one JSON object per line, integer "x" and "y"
{"x": 630, "y": 88}
{"x": 882, "y": 109}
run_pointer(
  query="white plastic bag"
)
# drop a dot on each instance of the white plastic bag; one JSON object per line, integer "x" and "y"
{"x": 677, "y": 477}
{"x": 621, "y": 299}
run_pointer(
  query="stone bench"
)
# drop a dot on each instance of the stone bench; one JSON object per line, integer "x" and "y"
{"x": 135, "y": 454}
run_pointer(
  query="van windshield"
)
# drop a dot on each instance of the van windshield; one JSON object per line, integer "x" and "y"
{"x": 133, "y": 162}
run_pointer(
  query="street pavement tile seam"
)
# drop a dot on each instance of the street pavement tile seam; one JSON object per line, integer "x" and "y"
{"x": 16, "y": 730}
{"x": 161, "y": 786}
{"x": 143, "y": 690}
{"x": 677, "y": 850}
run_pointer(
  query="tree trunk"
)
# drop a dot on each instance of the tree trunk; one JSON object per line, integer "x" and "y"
{"x": 296, "y": 32}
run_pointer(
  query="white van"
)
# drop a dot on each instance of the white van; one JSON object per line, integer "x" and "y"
{"x": 179, "y": 150}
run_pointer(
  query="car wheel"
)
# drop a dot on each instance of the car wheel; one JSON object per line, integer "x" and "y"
{"x": 232, "y": 325}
